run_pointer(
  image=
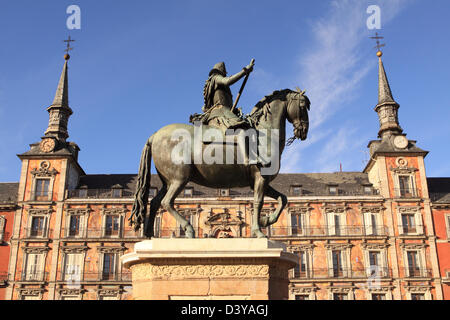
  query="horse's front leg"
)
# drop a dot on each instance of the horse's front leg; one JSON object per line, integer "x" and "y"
{"x": 282, "y": 202}
{"x": 258, "y": 189}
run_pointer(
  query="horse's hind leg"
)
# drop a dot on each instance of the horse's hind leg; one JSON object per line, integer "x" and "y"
{"x": 155, "y": 203}
{"x": 173, "y": 190}
{"x": 259, "y": 186}
{"x": 282, "y": 202}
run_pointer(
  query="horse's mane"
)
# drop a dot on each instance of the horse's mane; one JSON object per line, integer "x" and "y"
{"x": 262, "y": 107}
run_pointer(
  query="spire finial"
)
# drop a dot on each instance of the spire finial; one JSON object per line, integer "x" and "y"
{"x": 378, "y": 46}
{"x": 68, "y": 48}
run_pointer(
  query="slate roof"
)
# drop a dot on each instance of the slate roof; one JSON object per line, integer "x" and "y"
{"x": 348, "y": 183}
{"x": 439, "y": 189}
{"x": 8, "y": 192}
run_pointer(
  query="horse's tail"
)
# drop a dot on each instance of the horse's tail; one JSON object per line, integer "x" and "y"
{"x": 139, "y": 210}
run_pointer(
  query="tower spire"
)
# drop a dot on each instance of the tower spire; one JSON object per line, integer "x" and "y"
{"x": 386, "y": 108}
{"x": 59, "y": 111}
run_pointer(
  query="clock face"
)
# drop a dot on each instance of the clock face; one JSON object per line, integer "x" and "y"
{"x": 47, "y": 145}
{"x": 401, "y": 142}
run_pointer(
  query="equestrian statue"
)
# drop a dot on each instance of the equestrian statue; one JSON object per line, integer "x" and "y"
{"x": 267, "y": 118}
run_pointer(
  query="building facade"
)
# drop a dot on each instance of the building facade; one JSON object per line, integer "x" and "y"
{"x": 379, "y": 234}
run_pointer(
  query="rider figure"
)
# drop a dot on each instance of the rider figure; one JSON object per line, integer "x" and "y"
{"x": 218, "y": 98}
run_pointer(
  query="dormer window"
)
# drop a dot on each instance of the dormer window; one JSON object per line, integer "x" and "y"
{"x": 296, "y": 190}
{"x": 117, "y": 191}
{"x": 368, "y": 190}
{"x": 188, "y": 192}
{"x": 224, "y": 192}
{"x": 83, "y": 192}
{"x": 333, "y": 189}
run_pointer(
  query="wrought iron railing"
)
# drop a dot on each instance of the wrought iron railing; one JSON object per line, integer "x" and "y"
{"x": 413, "y": 272}
{"x": 414, "y": 230}
{"x": 40, "y": 196}
{"x": 32, "y": 276}
{"x": 323, "y": 231}
{"x": 405, "y": 193}
{"x": 99, "y": 233}
{"x": 341, "y": 273}
{"x": 99, "y": 193}
{"x": 75, "y": 277}
{"x": 37, "y": 233}
{"x": 4, "y": 237}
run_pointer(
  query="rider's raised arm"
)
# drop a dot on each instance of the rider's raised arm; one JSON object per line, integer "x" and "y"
{"x": 228, "y": 81}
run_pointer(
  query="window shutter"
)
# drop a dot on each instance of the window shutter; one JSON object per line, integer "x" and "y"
{"x": 419, "y": 224}
{"x": 2, "y": 228}
{"x": 331, "y": 226}
{"x": 368, "y": 223}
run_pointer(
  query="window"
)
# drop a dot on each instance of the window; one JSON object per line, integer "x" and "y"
{"x": 448, "y": 226}
{"x": 28, "y": 297}
{"x": 405, "y": 186}
{"x": 296, "y": 190}
{"x": 34, "y": 267}
{"x": 297, "y": 220}
{"x": 340, "y": 296}
{"x": 109, "y": 266}
{"x": 368, "y": 190}
{"x": 338, "y": 270}
{"x": 336, "y": 224}
{"x": 300, "y": 269}
{"x": 408, "y": 223}
{"x": 42, "y": 189}
{"x": 224, "y": 192}
{"x": 417, "y": 296}
{"x": 108, "y": 298}
{"x": 333, "y": 190}
{"x": 116, "y": 193}
{"x": 73, "y": 266}
{"x": 74, "y": 225}
{"x": 157, "y": 227}
{"x": 378, "y": 296}
{"x": 413, "y": 264}
{"x": 112, "y": 225}
{"x": 188, "y": 192}
{"x": 37, "y": 226}
{"x": 302, "y": 297}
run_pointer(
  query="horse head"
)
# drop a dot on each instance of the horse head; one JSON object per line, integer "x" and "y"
{"x": 297, "y": 113}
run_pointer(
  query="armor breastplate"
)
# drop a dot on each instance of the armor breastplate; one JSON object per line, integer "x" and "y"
{"x": 223, "y": 96}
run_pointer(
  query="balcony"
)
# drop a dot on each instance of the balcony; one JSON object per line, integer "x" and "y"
{"x": 407, "y": 193}
{"x": 32, "y": 233}
{"x": 34, "y": 276}
{"x": 4, "y": 279}
{"x": 39, "y": 196}
{"x": 411, "y": 230}
{"x": 74, "y": 278}
{"x": 4, "y": 237}
{"x": 99, "y": 194}
{"x": 96, "y": 233}
{"x": 341, "y": 273}
{"x": 358, "y": 231}
{"x": 416, "y": 272}
{"x": 446, "y": 276}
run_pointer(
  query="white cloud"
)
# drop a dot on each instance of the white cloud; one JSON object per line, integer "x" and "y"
{"x": 331, "y": 70}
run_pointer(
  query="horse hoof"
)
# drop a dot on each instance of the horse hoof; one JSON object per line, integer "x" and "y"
{"x": 258, "y": 234}
{"x": 263, "y": 221}
{"x": 189, "y": 231}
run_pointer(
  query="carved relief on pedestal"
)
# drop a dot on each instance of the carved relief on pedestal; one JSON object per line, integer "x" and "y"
{"x": 146, "y": 271}
{"x": 224, "y": 224}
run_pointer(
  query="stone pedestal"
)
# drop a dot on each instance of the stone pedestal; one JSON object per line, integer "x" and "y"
{"x": 226, "y": 269}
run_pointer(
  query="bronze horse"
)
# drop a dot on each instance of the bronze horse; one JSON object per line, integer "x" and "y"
{"x": 270, "y": 113}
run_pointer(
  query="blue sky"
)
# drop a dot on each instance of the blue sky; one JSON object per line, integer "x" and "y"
{"x": 139, "y": 65}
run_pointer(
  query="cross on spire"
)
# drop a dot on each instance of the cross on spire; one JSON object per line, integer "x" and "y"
{"x": 379, "y": 45}
{"x": 68, "y": 48}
